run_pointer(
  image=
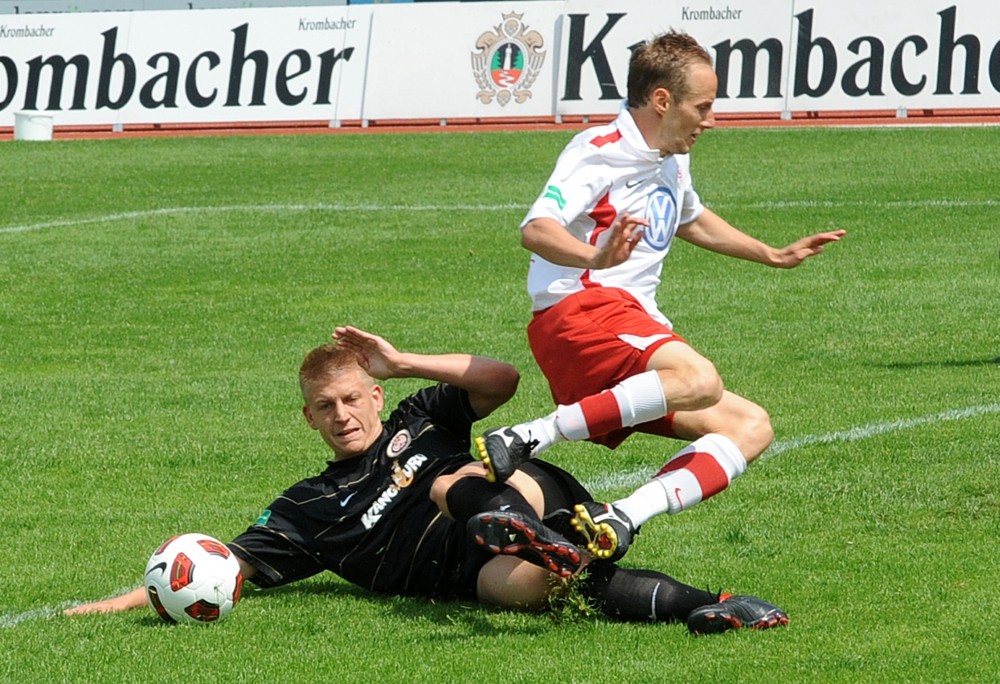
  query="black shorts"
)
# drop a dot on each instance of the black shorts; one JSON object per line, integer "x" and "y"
{"x": 561, "y": 491}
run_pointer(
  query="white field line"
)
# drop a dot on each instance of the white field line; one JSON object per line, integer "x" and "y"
{"x": 635, "y": 478}
{"x": 874, "y": 429}
{"x": 259, "y": 208}
{"x": 855, "y": 434}
{"x": 337, "y": 207}
{"x": 883, "y": 204}
{"x": 14, "y": 619}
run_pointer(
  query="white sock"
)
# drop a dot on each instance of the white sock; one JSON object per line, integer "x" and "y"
{"x": 541, "y": 429}
{"x": 640, "y": 398}
{"x": 635, "y": 400}
{"x": 697, "y": 472}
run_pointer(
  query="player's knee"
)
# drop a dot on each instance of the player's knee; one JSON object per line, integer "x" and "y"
{"x": 758, "y": 431}
{"x": 439, "y": 491}
{"x": 513, "y": 584}
{"x": 705, "y": 383}
{"x": 690, "y": 381}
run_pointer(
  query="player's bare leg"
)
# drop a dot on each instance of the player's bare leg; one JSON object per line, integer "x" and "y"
{"x": 742, "y": 421}
{"x": 708, "y": 464}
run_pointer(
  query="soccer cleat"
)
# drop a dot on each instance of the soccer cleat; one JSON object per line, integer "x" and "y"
{"x": 734, "y": 612}
{"x": 502, "y": 451}
{"x": 510, "y": 533}
{"x": 607, "y": 530}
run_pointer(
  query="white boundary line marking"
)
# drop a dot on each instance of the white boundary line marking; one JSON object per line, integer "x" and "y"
{"x": 886, "y": 204}
{"x": 10, "y": 621}
{"x": 179, "y": 211}
{"x": 875, "y": 429}
{"x": 13, "y": 620}
{"x": 337, "y": 207}
{"x": 635, "y": 478}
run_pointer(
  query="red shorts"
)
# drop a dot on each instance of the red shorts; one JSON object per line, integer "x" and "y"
{"x": 579, "y": 347}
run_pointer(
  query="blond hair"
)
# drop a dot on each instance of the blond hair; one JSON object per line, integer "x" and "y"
{"x": 324, "y": 362}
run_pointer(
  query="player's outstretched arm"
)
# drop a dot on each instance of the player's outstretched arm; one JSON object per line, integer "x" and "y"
{"x": 489, "y": 382}
{"x": 811, "y": 245}
{"x": 133, "y": 599}
{"x": 712, "y": 232}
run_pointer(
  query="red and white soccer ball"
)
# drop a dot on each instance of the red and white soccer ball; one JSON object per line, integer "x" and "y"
{"x": 193, "y": 578}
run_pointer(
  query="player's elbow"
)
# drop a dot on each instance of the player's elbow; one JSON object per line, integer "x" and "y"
{"x": 496, "y": 384}
{"x": 528, "y": 240}
{"x": 507, "y": 380}
{"x": 534, "y": 232}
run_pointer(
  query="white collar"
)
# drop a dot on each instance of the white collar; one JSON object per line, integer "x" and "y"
{"x": 631, "y": 134}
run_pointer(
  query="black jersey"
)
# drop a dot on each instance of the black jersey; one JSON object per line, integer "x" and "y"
{"x": 370, "y": 518}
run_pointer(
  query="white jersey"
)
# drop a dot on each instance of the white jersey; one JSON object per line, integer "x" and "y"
{"x": 603, "y": 172}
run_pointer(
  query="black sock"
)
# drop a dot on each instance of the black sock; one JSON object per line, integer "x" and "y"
{"x": 641, "y": 595}
{"x": 471, "y": 496}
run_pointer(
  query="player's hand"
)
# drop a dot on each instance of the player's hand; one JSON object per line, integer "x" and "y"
{"x": 133, "y": 599}
{"x": 800, "y": 250}
{"x": 375, "y": 355}
{"x": 626, "y": 232}
{"x": 108, "y": 606}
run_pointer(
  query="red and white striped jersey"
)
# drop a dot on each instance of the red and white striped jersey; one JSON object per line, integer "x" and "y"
{"x": 603, "y": 172}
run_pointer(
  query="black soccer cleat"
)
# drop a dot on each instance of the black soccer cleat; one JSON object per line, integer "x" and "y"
{"x": 502, "y": 451}
{"x": 608, "y": 532}
{"x": 735, "y": 612}
{"x": 510, "y": 533}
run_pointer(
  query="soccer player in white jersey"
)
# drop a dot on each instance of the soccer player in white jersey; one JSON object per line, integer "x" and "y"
{"x": 599, "y": 232}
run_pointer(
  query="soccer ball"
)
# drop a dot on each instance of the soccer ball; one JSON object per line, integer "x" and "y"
{"x": 193, "y": 578}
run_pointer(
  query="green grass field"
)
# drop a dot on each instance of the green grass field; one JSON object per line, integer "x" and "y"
{"x": 158, "y": 295}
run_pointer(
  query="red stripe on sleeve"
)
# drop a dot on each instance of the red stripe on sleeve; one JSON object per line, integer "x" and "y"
{"x": 602, "y": 140}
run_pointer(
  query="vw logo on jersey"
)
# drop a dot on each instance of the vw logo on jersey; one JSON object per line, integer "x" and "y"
{"x": 661, "y": 212}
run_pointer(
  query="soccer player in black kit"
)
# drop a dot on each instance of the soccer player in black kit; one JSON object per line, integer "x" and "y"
{"x": 404, "y": 509}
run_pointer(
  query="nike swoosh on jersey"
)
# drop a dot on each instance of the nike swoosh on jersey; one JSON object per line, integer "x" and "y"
{"x": 343, "y": 502}
{"x": 633, "y": 183}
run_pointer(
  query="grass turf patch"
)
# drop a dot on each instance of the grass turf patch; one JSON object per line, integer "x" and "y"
{"x": 159, "y": 295}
